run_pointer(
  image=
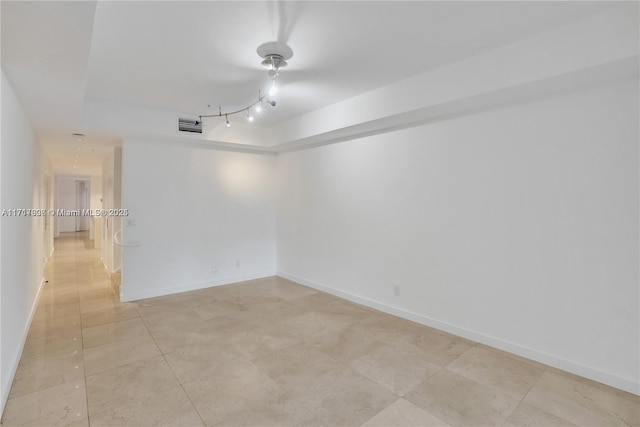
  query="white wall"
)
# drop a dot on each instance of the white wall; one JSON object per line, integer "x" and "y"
{"x": 203, "y": 218}
{"x": 95, "y": 232}
{"x": 515, "y": 227}
{"x": 22, "y": 238}
{"x": 111, "y": 199}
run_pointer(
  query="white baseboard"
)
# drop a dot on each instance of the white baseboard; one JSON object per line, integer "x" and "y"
{"x": 127, "y": 296}
{"x": 8, "y": 380}
{"x": 627, "y": 384}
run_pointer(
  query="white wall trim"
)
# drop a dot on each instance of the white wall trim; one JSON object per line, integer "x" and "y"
{"x": 157, "y": 292}
{"x": 8, "y": 380}
{"x": 626, "y": 384}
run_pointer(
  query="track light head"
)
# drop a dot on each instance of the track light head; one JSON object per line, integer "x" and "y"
{"x": 273, "y": 89}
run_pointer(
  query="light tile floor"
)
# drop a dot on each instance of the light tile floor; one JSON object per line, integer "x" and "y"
{"x": 271, "y": 352}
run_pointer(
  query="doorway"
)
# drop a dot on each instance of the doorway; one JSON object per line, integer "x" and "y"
{"x": 72, "y": 205}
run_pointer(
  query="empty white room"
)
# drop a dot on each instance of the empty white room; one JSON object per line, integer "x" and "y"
{"x": 320, "y": 213}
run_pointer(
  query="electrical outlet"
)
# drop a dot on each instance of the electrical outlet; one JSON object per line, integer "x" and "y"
{"x": 396, "y": 290}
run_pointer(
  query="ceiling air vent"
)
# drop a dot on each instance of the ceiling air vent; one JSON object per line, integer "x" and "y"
{"x": 189, "y": 125}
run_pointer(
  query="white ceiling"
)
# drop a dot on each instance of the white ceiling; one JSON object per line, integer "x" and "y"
{"x": 181, "y": 56}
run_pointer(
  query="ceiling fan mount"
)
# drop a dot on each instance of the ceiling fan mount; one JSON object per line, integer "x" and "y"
{"x": 274, "y": 55}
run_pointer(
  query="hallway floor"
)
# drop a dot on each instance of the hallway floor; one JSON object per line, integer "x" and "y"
{"x": 270, "y": 352}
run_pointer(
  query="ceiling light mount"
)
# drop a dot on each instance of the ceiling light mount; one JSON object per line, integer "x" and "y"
{"x": 273, "y": 63}
{"x": 274, "y": 54}
{"x": 274, "y": 57}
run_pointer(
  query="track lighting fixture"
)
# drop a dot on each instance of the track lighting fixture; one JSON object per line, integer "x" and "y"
{"x": 274, "y": 56}
{"x": 274, "y": 87}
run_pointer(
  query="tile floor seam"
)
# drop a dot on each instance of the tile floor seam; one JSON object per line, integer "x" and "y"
{"x": 172, "y": 371}
{"x": 528, "y": 403}
{"x": 490, "y": 387}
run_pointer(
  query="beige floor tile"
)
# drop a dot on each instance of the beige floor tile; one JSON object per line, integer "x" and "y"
{"x": 313, "y": 324}
{"x": 233, "y": 324}
{"x": 256, "y": 301}
{"x": 95, "y": 292}
{"x": 194, "y": 362}
{"x": 460, "y": 401}
{"x": 602, "y": 388}
{"x": 277, "y": 412}
{"x": 499, "y": 370}
{"x": 252, "y": 288}
{"x": 172, "y": 318}
{"x": 583, "y": 403}
{"x": 117, "y": 314}
{"x": 55, "y": 406}
{"x": 169, "y": 302}
{"x": 296, "y": 366}
{"x": 403, "y": 413}
{"x": 58, "y": 301}
{"x": 342, "y": 397}
{"x": 52, "y": 345}
{"x": 56, "y": 327}
{"x": 346, "y": 344}
{"x": 120, "y": 353}
{"x": 383, "y": 327}
{"x": 111, "y": 332}
{"x": 434, "y": 346}
{"x": 237, "y": 388}
{"x": 67, "y": 318}
{"x": 288, "y": 290}
{"x": 110, "y": 389}
{"x": 47, "y": 372}
{"x": 214, "y": 307}
{"x": 79, "y": 423}
{"x": 395, "y": 368}
{"x": 349, "y": 310}
{"x": 313, "y": 301}
{"x": 99, "y": 304}
{"x": 276, "y": 313}
{"x": 526, "y": 415}
{"x": 59, "y": 294}
{"x": 188, "y": 335}
{"x": 166, "y": 408}
{"x": 262, "y": 341}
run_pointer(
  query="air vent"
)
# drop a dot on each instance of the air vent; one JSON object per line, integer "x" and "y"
{"x": 189, "y": 125}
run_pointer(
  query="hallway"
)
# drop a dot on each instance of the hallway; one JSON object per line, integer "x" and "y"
{"x": 270, "y": 352}
{"x": 50, "y": 381}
